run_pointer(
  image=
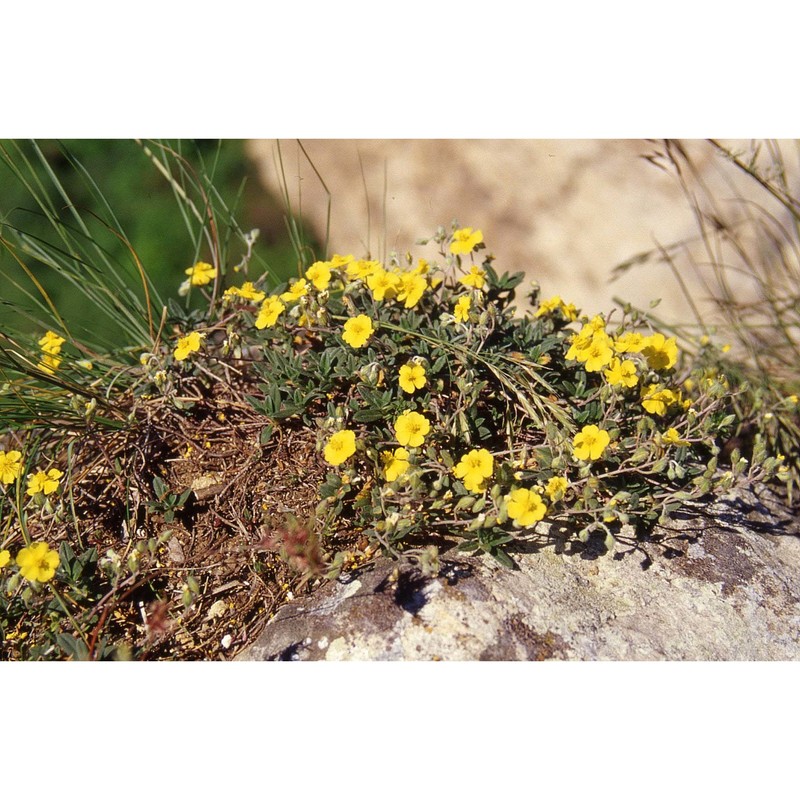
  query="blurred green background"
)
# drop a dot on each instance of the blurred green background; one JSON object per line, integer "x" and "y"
{"x": 147, "y": 211}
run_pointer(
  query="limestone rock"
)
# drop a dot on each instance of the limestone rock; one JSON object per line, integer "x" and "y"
{"x": 720, "y": 583}
{"x": 565, "y": 212}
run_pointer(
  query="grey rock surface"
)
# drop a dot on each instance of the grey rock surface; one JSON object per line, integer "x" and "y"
{"x": 719, "y": 583}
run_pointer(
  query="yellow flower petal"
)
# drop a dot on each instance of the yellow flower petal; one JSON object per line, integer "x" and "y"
{"x": 340, "y": 447}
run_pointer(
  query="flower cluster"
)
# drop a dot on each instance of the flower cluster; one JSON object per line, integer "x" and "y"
{"x": 438, "y": 404}
{"x": 200, "y": 274}
{"x": 41, "y": 482}
{"x": 50, "y": 345}
{"x": 10, "y": 466}
{"x": 36, "y": 562}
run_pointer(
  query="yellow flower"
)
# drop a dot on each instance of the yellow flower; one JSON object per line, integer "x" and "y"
{"x": 271, "y": 309}
{"x": 246, "y": 292}
{"x": 5, "y": 557}
{"x": 596, "y": 323}
{"x": 673, "y": 437}
{"x": 201, "y": 273}
{"x": 37, "y": 562}
{"x": 661, "y": 353}
{"x": 188, "y": 344}
{"x": 358, "y": 330}
{"x": 621, "y": 372}
{"x": 549, "y": 306}
{"x": 51, "y": 343}
{"x": 395, "y": 464}
{"x": 597, "y": 354}
{"x": 475, "y": 278}
{"x": 474, "y": 468}
{"x": 49, "y": 363}
{"x": 556, "y": 487}
{"x": 590, "y": 442}
{"x": 591, "y": 334}
{"x": 461, "y": 311}
{"x": 570, "y": 311}
{"x": 525, "y": 507}
{"x": 338, "y": 261}
{"x": 411, "y": 428}
{"x": 383, "y": 284}
{"x": 422, "y": 268}
{"x": 298, "y": 289}
{"x": 319, "y": 273}
{"x": 44, "y": 482}
{"x": 629, "y": 342}
{"x": 411, "y": 288}
{"x": 464, "y": 241}
{"x": 412, "y": 376}
{"x": 361, "y": 269}
{"x": 10, "y": 465}
{"x": 340, "y": 447}
{"x": 656, "y": 400}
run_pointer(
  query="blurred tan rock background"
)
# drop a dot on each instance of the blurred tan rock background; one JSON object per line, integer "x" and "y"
{"x": 564, "y": 211}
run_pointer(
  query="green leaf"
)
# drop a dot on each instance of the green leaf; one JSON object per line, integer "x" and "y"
{"x": 266, "y": 433}
{"x": 160, "y": 488}
{"x": 502, "y": 558}
{"x": 439, "y": 364}
{"x": 369, "y": 415}
{"x": 465, "y": 503}
{"x": 73, "y": 647}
